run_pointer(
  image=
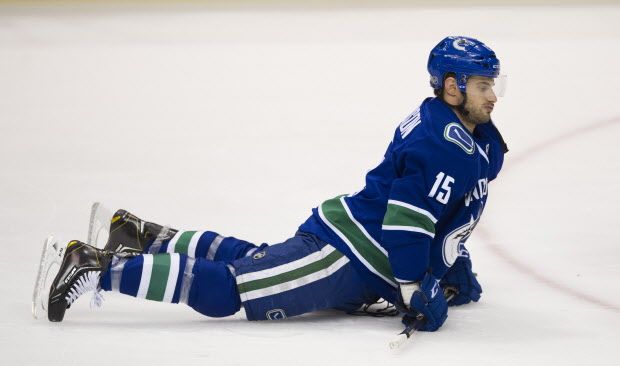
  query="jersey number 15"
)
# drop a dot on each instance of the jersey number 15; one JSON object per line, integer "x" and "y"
{"x": 442, "y": 195}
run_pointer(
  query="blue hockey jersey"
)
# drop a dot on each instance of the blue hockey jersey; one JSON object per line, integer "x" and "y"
{"x": 419, "y": 205}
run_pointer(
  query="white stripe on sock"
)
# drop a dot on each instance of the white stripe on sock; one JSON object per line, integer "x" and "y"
{"x": 191, "y": 249}
{"x": 145, "y": 278}
{"x": 173, "y": 241}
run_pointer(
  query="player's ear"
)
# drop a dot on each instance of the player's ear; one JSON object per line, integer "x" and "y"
{"x": 450, "y": 87}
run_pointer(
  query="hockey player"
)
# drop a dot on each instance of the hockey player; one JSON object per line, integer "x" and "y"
{"x": 400, "y": 238}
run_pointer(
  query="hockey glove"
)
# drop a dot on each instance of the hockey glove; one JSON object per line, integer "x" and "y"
{"x": 424, "y": 298}
{"x": 461, "y": 277}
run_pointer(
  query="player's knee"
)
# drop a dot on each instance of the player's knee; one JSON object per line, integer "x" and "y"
{"x": 214, "y": 289}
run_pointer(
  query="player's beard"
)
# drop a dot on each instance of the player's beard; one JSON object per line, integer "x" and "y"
{"x": 474, "y": 114}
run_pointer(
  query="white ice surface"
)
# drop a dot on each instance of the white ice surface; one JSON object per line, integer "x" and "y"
{"x": 242, "y": 121}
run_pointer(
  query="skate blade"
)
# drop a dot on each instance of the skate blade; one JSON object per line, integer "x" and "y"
{"x": 99, "y": 227}
{"x": 51, "y": 258}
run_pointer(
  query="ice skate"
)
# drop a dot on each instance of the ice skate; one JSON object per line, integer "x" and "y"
{"x": 80, "y": 271}
{"x": 130, "y": 234}
{"x": 99, "y": 225}
{"x": 51, "y": 259}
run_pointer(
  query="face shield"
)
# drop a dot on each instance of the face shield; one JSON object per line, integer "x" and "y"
{"x": 490, "y": 88}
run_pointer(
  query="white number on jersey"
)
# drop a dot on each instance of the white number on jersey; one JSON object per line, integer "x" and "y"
{"x": 442, "y": 195}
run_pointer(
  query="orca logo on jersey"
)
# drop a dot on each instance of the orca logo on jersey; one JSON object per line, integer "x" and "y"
{"x": 276, "y": 314}
{"x": 455, "y": 133}
{"x": 453, "y": 242}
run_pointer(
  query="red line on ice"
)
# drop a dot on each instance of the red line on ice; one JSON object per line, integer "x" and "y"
{"x": 524, "y": 268}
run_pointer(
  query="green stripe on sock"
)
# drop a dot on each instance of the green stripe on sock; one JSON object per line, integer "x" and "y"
{"x": 336, "y": 214}
{"x": 319, "y": 265}
{"x": 159, "y": 277}
{"x": 402, "y": 216}
{"x": 183, "y": 242}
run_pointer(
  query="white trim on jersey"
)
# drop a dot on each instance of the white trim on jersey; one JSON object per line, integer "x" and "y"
{"x": 361, "y": 227}
{"x": 408, "y": 228}
{"x": 414, "y": 208}
{"x": 484, "y": 155}
{"x": 352, "y": 248}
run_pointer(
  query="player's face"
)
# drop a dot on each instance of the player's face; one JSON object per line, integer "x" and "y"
{"x": 480, "y": 99}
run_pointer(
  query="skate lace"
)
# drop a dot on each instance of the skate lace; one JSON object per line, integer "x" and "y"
{"x": 88, "y": 281}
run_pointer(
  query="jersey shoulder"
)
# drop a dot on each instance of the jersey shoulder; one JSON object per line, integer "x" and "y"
{"x": 433, "y": 129}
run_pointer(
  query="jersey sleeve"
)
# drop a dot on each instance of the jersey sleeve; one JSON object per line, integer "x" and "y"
{"x": 429, "y": 180}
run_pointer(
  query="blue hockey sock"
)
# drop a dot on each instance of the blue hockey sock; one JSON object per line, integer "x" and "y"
{"x": 205, "y": 244}
{"x": 161, "y": 277}
{"x": 208, "y": 287}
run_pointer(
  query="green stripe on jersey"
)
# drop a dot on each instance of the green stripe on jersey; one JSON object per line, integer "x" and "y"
{"x": 402, "y": 216}
{"x": 159, "y": 277}
{"x": 292, "y": 275}
{"x": 337, "y": 215}
{"x": 183, "y": 242}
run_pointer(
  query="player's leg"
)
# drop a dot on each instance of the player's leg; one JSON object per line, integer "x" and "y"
{"x": 129, "y": 233}
{"x": 298, "y": 276}
{"x": 205, "y": 244}
{"x": 207, "y": 286}
{"x": 176, "y": 278}
{"x": 301, "y": 275}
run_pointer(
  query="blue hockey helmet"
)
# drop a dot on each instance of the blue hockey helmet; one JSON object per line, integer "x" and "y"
{"x": 464, "y": 57}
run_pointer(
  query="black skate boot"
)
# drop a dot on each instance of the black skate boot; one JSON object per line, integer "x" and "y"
{"x": 80, "y": 271}
{"x": 130, "y": 234}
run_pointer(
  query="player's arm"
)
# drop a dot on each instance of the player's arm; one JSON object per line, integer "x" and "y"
{"x": 417, "y": 201}
{"x": 429, "y": 180}
{"x": 462, "y": 278}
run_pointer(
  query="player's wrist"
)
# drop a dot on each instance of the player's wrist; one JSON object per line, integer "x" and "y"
{"x": 406, "y": 291}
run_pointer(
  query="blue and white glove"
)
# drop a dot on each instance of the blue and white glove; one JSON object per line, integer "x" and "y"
{"x": 424, "y": 298}
{"x": 461, "y": 278}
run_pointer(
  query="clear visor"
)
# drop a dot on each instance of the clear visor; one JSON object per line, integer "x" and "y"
{"x": 488, "y": 87}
